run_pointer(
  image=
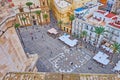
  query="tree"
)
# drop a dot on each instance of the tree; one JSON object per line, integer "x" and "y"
{"x": 17, "y": 25}
{"x": 29, "y": 4}
{"x": 71, "y": 18}
{"x": 83, "y": 34}
{"x": 99, "y": 31}
{"x": 39, "y": 15}
{"x": 45, "y": 16}
{"x": 60, "y": 22}
{"x": 116, "y": 48}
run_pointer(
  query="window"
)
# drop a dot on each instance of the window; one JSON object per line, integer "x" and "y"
{"x": 67, "y": 29}
{"x": 87, "y": 27}
{"x": 112, "y": 32}
{"x": 64, "y": 28}
{"x": 33, "y": 17}
{"x": 91, "y": 29}
{"x": 70, "y": 31}
{"x": 43, "y": 3}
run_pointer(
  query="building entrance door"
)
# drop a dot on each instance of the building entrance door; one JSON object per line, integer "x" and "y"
{"x": 34, "y": 22}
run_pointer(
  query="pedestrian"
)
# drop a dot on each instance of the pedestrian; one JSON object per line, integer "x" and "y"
{"x": 71, "y": 63}
{"x": 31, "y": 33}
{"x": 89, "y": 68}
{"x": 51, "y": 52}
{"x": 56, "y": 48}
{"x": 47, "y": 47}
{"x": 32, "y": 37}
{"x": 35, "y": 37}
{"x": 42, "y": 36}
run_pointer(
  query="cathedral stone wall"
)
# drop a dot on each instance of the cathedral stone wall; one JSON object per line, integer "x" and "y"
{"x": 12, "y": 55}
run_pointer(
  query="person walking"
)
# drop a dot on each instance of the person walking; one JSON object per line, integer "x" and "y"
{"x": 31, "y": 34}
{"x": 42, "y": 36}
{"x": 32, "y": 37}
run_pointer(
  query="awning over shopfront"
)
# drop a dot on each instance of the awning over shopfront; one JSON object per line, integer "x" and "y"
{"x": 69, "y": 42}
{"x": 52, "y": 31}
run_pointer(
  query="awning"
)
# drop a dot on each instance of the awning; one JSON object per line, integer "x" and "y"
{"x": 53, "y": 31}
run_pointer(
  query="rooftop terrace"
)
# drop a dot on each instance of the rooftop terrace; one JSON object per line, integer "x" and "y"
{"x": 62, "y": 3}
{"x": 80, "y": 9}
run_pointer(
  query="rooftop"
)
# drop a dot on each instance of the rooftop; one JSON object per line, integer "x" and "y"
{"x": 110, "y": 15}
{"x": 114, "y": 18}
{"x": 101, "y": 11}
{"x": 80, "y": 9}
{"x": 87, "y": 6}
{"x": 115, "y": 25}
{"x": 62, "y": 3}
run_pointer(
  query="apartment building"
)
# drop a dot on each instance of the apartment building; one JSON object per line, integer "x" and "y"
{"x": 99, "y": 18}
{"x": 113, "y": 27}
{"x": 116, "y": 7}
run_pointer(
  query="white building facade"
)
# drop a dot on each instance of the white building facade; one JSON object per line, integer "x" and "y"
{"x": 113, "y": 34}
{"x": 80, "y": 26}
{"x": 109, "y": 21}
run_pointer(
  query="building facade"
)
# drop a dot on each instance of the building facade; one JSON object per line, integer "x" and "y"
{"x": 110, "y": 4}
{"x": 62, "y": 9}
{"x": 29, "y": 13}
{"x": 62, "y": 13}
{"x": 103, "y": 1}
{"x": 105, "y": 19}
{"x": 113, "y": 34}
{"x": 116, "y": 7}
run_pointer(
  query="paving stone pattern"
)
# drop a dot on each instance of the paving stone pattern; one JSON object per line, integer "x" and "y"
{"x": 69, "y": 60}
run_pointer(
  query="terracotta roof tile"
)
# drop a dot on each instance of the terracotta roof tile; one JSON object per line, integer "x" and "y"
{"x": 110, "y": 15}
{"x": 100, "y": 11}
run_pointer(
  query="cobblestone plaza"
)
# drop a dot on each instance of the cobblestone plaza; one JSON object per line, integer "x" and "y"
{"x": 54, "y": 56}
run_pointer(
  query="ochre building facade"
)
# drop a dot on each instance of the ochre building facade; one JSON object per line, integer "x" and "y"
{"x": 62, "y": 13}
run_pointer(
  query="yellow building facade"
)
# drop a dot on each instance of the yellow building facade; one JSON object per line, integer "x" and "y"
{"x": 62, "y": 11}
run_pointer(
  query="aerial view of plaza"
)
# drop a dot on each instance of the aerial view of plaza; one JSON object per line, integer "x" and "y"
{"x": 59, "y": 39}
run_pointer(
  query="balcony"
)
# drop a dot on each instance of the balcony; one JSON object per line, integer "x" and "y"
{"x": 115, "y": 24}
